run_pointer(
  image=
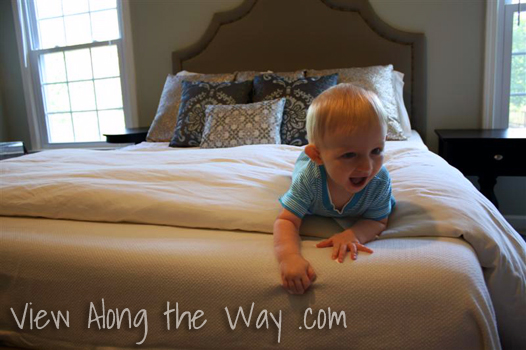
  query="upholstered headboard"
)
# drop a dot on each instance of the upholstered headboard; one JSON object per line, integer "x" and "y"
{"x": 287, "y": 35}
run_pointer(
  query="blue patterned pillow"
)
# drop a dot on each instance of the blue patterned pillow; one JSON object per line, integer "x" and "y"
{"x": 195, "y": 97}
{"x": 299, "y": 94}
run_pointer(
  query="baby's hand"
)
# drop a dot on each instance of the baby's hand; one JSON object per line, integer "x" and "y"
{"x": 296, "y": 274}
{"x": 343, "y": 242}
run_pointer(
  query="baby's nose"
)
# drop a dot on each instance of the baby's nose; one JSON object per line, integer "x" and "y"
{"x": 365, "y": 165}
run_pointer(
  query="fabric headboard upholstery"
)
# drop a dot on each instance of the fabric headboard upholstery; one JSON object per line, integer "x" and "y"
{"x": 287, "y": 35}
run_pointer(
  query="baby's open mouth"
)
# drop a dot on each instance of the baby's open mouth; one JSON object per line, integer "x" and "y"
{"x": 358, "y": 181}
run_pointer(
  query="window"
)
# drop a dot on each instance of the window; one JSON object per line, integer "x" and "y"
{"x": 75, "y": 59}
{"x": 514, "y": 69}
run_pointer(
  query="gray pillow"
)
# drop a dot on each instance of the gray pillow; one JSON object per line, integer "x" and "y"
{"x": 194, "y": 98}
{"x": 299, "y": 94}
{"x": 239, "y": 125}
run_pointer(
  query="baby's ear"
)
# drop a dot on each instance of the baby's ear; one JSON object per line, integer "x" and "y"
{"x": 313, "y": 153}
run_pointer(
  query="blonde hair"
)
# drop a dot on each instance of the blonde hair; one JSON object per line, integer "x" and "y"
{"x": 342, "y": 109}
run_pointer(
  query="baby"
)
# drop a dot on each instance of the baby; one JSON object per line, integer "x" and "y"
{"x": 339, "y": 174}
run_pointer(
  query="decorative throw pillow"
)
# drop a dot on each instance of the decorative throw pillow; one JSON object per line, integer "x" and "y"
{"x": 251, "y": 74}
{"x": 299, "y": 94}
{"x": 378, "y": 79}
{"x": 239, "y": 125}
{"x": 196, "y": 95}
{"x": 163, "y": 125}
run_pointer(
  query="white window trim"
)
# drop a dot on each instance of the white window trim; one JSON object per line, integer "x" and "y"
{"x": 493, "y": 65}
{"x": 495, "y": 108}
{"x": 127, "y": 68}
{"x": 130, "y": 84}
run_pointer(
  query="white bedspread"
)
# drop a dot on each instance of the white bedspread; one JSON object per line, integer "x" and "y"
{"x": 238, "y": 188}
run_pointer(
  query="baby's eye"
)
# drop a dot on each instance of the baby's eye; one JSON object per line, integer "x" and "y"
{"x": 377, "y": 151}
{"x": 349, "y": 155}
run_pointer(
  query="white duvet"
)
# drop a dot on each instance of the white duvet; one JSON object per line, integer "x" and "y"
{"x": 238, "y": 188}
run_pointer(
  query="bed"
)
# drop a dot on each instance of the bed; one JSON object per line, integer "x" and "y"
{"x": 164, "y": 247}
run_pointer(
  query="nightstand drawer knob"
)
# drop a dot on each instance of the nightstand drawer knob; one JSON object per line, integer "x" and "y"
{"x": 498, "y": 156}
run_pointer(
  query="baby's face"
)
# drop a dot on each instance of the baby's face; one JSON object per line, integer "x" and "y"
{"x": 353, "y": 160}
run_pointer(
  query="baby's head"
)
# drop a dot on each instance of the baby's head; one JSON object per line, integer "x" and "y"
{"x": 343, "y": 110}
{"x": 346, "y": 129}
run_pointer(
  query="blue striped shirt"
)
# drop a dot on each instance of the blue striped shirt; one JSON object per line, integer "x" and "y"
{"x": 309, "y": 194}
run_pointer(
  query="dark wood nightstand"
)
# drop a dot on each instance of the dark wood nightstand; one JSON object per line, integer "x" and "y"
{"x": 131, "y": 135}
{"x": 12, "y": 149}
{"x": 486, "y": 154}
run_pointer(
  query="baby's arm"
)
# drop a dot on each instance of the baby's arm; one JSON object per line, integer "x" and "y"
{"x": 296, "y": 273}
{"x": 367, "y": 230}
{"x": 354, "y": 238}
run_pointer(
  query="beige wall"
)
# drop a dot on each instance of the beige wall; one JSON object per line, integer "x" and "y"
{"x": 455, "y": 42}
{"x": 160, "y": 27}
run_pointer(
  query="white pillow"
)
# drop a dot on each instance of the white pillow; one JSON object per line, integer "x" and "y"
{"x": 403, "y": 116}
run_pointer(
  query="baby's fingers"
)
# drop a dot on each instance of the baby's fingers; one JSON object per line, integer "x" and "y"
{"x": 289, "y": 286}
{"x": 335, "y": 251}
{"x": 355, "y": 247}
{"x": 311, "y": 273}
{"x": 324, "y": 244}
{"x": 299, "y": 286}
{"x": 363, "y": 248}
{"x": 285, "y": 284}
{"x": 342, "y": 252}
{"x": 306, "y": 282}
{"x": 353, "y": 250}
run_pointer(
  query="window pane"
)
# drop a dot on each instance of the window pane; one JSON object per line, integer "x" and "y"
{"x": 102, "y": 4}
{"x": 517, "y": 117}
{"x": 112, "y": 121}
{"x": 48, "y": 8}
{"x": 71, "y": 7}
{"x": 105, "y": 61}
{"x": 56, "y": 98}
{"x": 78, "y": 63}
{"x": 518, "y": 74}
{"x": 60, "y": 128}
{"x": 78, "y": 29}
{"x": 519, "y": 33}
{"x": 53, "y": 68}
{"x": 51, "y": 33}
{"x": 517, "y": 107}
{"x": 108, "y": 92}
{"x": 105, "y": 25}
{"x": 82, "y": 96}
{"x": 86, "y": 127}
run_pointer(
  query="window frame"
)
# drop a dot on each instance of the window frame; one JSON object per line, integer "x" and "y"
{"x": 497, "y": 75}
{"x": 32, "y": 81}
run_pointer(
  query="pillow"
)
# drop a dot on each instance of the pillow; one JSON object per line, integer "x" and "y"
{"x": 251, "y": 74}
{"x": 195, "y": 96}
{"x": 378, "y": 79}
{"x": 163, "y": 125}
{"x": 398, "y": 85}
{"x": 299, "y": 94}
{"x": 239, "y": 125}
